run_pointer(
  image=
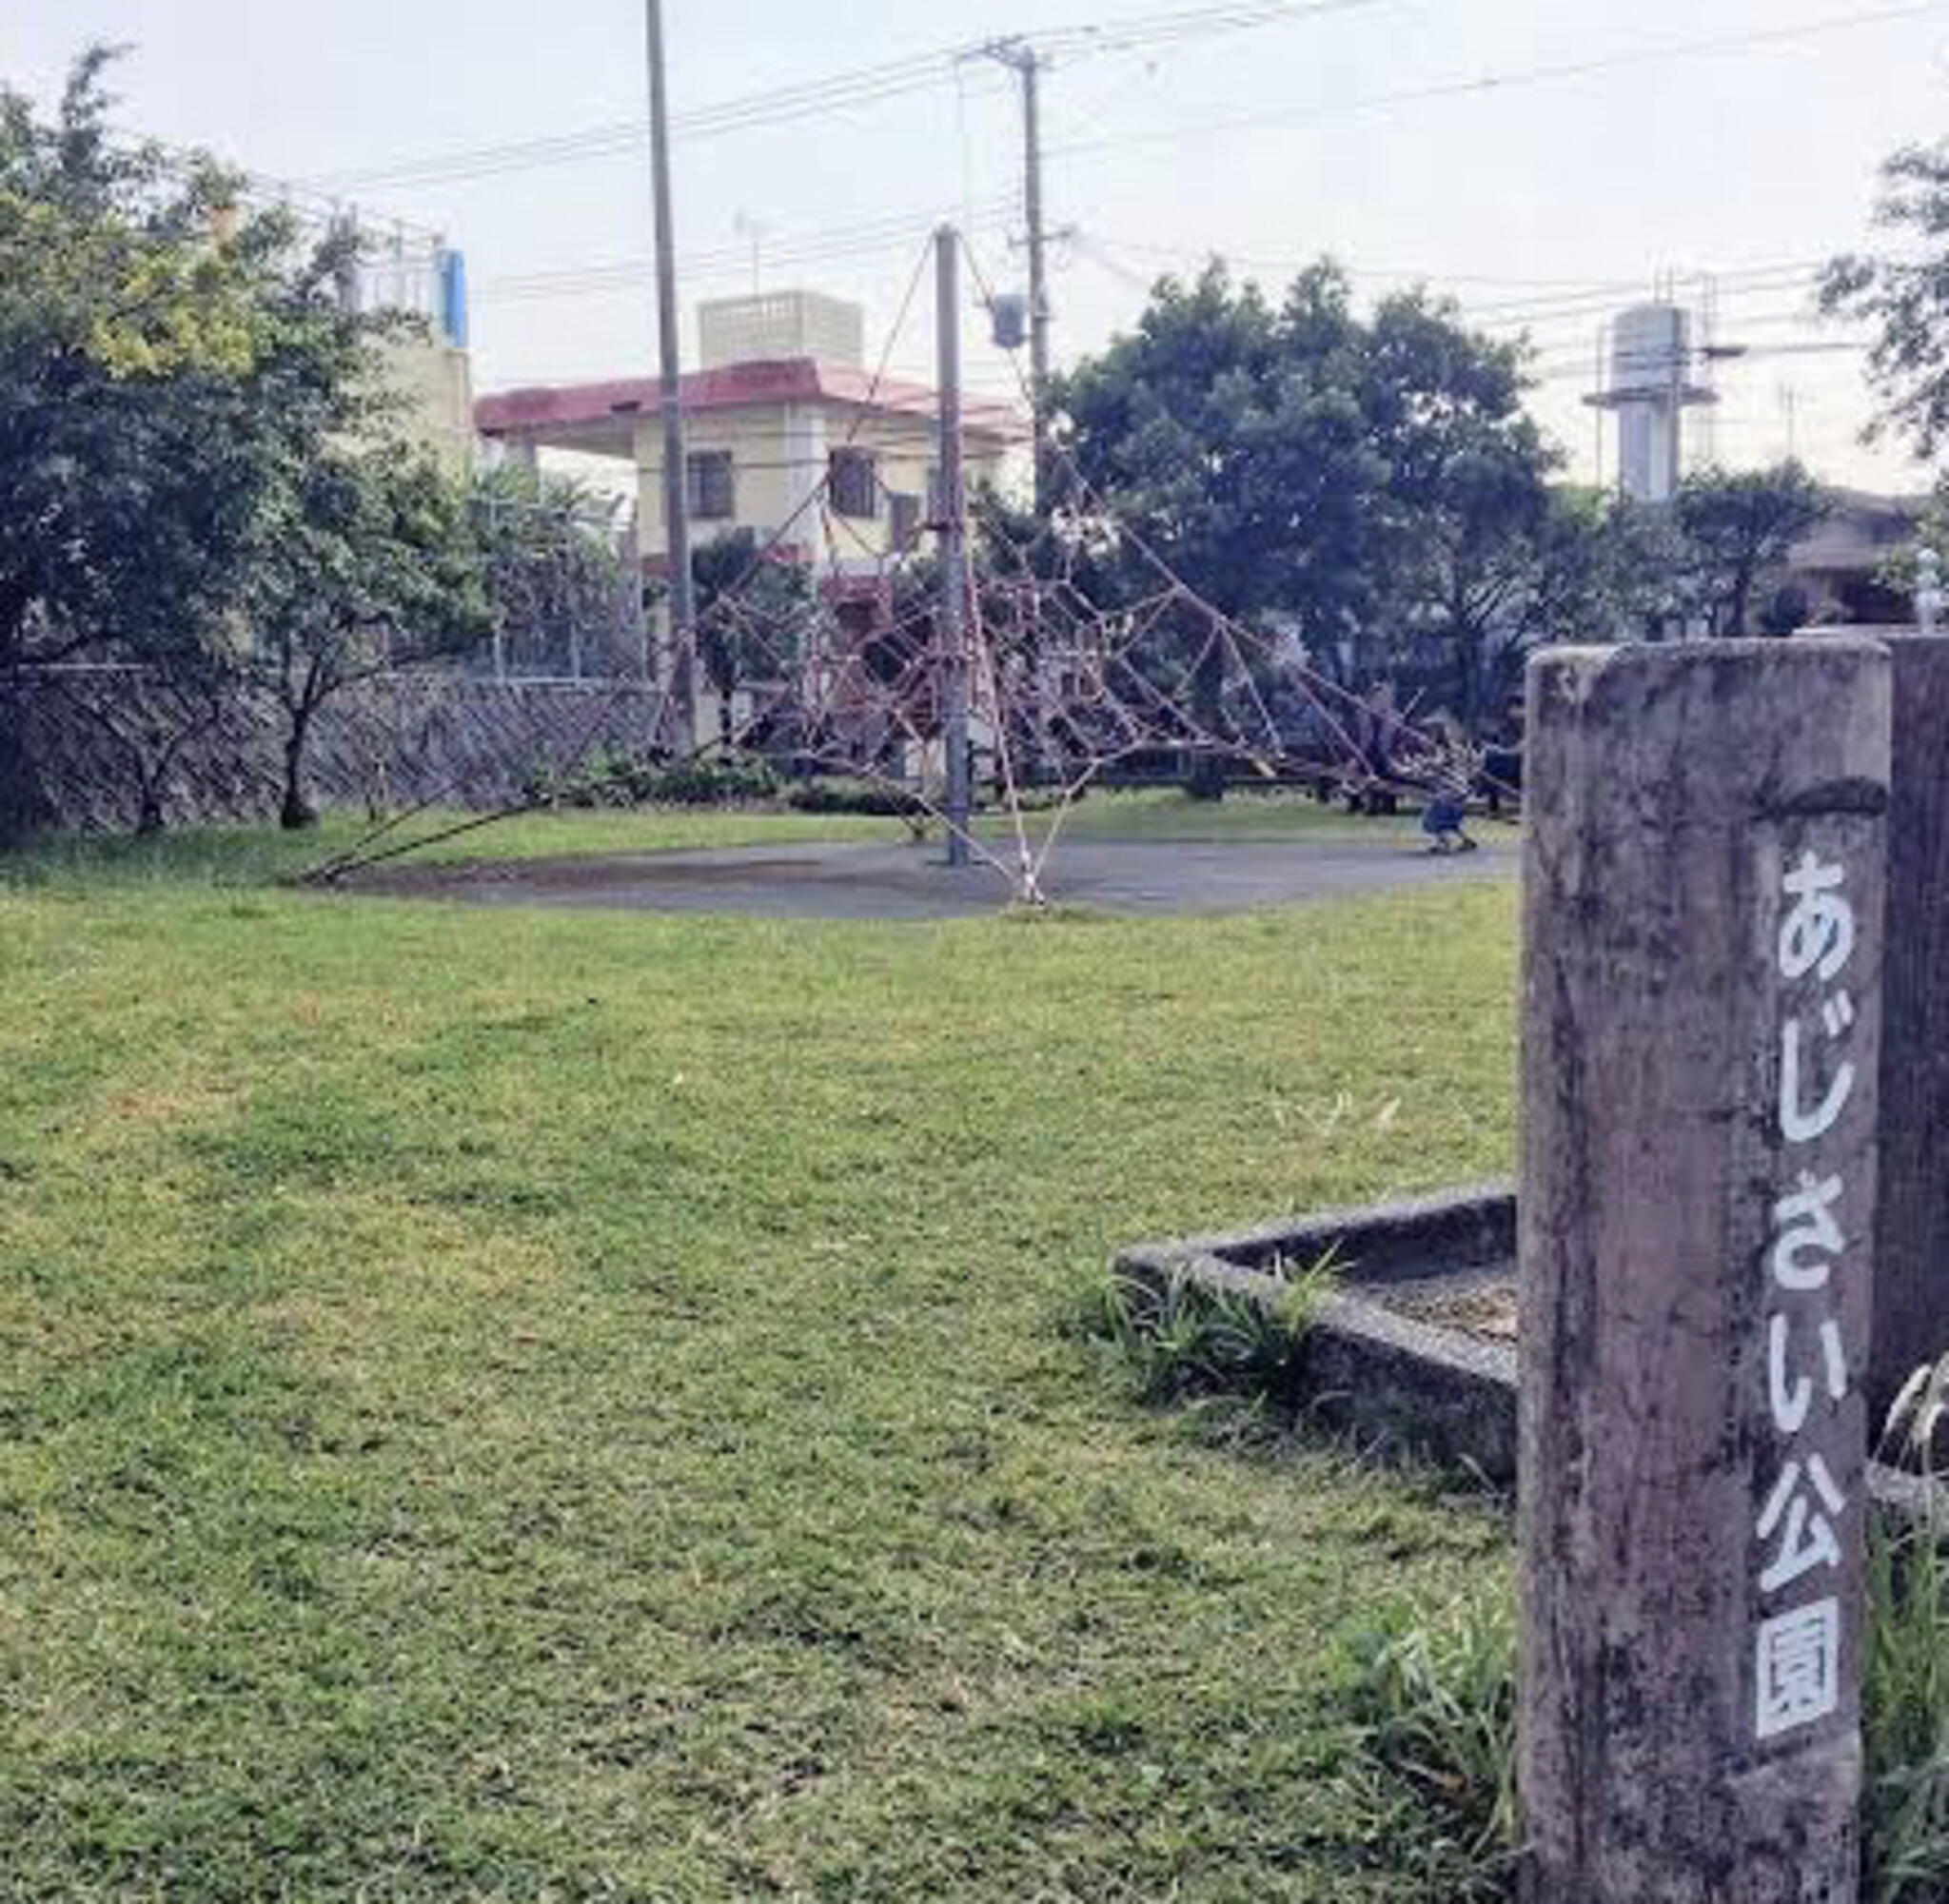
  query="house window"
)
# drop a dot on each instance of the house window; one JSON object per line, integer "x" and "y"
{"x": 904, "y": 519}
{"x": 711, "y": 485}
{"x": 853, "y": 478}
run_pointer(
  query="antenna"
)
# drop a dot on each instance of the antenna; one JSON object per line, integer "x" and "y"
{"x": 757, "y": 231}
{"x": 1708, "y": 357}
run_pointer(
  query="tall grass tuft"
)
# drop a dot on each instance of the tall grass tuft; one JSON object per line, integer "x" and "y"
{"x": 1434, "y": 1703}
{"x": 1905, "y": 1693}
{"x": 1182, "y": 1341}
{"x": 1434, "y": 1698}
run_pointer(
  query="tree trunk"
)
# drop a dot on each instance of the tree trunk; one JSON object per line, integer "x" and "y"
{"x": 295, "y": 813}
{"x": 1742, "y": 598}
{"x": 22, "y": 807}
{"x": 1469, "y": 646}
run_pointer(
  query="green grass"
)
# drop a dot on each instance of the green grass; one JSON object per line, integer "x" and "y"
{"x": 252, "y": 855}
{"x": 521, "y": 1405}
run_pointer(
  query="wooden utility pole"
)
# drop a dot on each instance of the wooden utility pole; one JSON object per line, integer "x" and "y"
{"x": 954, "y": 562}
{"x": 669, "y": 342}
{"x": 1022, "y": 58}
{"x": 1702, "y": 993}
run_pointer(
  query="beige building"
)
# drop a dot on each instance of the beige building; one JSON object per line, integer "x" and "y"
{"x": 787, "y": 434}
{"x": 432, "y": 382}
{"x": 425, "y": 369}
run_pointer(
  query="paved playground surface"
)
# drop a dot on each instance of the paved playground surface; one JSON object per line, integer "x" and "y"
{"x": 848, "y": 880}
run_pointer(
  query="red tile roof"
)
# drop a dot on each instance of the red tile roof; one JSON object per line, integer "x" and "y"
{"x": 793, "y": 379}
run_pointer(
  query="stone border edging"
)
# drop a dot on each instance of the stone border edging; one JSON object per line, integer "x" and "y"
{"x": 1397, "y": 1381}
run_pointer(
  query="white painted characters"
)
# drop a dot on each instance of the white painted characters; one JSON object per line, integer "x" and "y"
{"x": 1810, "y": 1540}
{"x": 1797, "y": 1660}
{"x": 1817, "y": 932}
{"x": 1800, "y": 1667}
{"x": 1808, "y": 1237}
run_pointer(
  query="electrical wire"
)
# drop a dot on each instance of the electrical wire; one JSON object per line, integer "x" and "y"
{"x": 833, "y": 93}
{"x": 1499, "y": 82}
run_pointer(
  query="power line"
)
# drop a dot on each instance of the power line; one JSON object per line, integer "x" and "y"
{"x": 1489, "y": 83}
{"x": 1262, "y": 262}
{"x": 889, "y": 231}
{"x": 836, "y": 92}
{"x": 1578, "y": 302}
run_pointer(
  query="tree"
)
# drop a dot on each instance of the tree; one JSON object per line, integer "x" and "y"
{"x": 169, "y": 371}
{"x": 1356, "y": 480}
{"x": 145, "y": 344}
{"x": 1505, "y": 570}
{"x": 1906, "y": 299}
{"x": 754, "y": 614}
{"x": 1226, "y": 442}
{"x": 122, "y": 507}
{"x": 1737, "y": 528}
{"x": 552, "y": 572}
{"x": 1479, "y": 550}
{"x": 367, "y": 566}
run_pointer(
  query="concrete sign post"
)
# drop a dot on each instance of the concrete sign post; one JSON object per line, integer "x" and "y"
{"x": 1912, "y": 1226}
{"x": 1704, "y": 918}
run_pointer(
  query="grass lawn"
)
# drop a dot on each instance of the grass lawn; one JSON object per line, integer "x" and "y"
{"x": 253, "y": 855}
{"x": 520, "y": 1405}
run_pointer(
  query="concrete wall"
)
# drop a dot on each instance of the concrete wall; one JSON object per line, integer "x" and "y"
{"x": 76, "y": 745}
{"x": 435, "y": 380}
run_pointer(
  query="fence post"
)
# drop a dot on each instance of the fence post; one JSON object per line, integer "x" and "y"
{"x": 1703, "y": 901}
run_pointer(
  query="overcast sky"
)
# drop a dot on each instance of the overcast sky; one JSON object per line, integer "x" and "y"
{"x": 1533, "y": 199}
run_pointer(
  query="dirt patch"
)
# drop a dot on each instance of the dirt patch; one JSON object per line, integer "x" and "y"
{"x": 891, "y": 881}
{"x": 1484, "y": 1311}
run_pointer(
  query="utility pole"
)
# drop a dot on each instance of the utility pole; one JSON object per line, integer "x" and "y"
{"x": 669, "y": 339}
{"x": 954, "y": 653}
{"x": 1023, "y": 59}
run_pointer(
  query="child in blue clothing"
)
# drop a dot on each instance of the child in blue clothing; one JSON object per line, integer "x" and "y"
{"x": 1440, "y": 819}
{"x": 1447, "y": 803}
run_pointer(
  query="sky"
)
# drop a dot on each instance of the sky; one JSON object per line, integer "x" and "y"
{"x": 1541, "y": 163}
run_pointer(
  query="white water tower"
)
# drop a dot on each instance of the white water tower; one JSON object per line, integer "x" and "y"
{"x": 1650, "y": 389}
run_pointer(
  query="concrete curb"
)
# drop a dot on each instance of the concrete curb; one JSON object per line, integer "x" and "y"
{"x": 1393, "y": 1381}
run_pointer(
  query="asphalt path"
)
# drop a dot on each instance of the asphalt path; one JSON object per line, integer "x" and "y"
{"x": 905, "y": 881}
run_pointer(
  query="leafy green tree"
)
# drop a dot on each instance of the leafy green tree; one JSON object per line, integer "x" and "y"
{"x": 1504, "y": 570}
{"x": 1479, "y": 545}
{"x": 754, "y": 616}
{"x": 368, "y": 564}
{"x": 1904, "y": 297}
{"x": 1358, "y": 479}
{"x": 149, "y": 340}
{"x": 107, "y": 521}
{"x": 555, "y": 582}
{"x": 172, "y": 373}
{"x": 1226, "y": 441}
{"x": 1736, "y": 529}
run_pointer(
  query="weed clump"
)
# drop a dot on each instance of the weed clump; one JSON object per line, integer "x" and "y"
{"x": 1433, "y": 1697}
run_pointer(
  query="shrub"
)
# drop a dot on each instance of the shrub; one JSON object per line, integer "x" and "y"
{"x": 615, "y": 780}
{"x": 1906, "y": 1695}
{"x": 829, "y": 794}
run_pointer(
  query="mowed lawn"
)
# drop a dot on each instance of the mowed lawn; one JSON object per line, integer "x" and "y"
{"x": 538, "y": 1405}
